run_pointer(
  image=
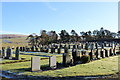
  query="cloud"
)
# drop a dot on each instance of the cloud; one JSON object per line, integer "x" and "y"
{"x": 51, "y": 7}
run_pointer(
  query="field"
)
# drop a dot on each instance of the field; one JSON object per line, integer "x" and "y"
{"x": 14, "y": 42}
{"x": 104, "y": 66}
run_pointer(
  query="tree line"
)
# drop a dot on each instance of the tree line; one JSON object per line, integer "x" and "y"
{"x": 52, "y": 37}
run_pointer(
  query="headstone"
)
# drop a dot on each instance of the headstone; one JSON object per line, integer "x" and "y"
{"x": 35, "y": 64}
{"x": 102, "y": 52}
{"x": 66, "y": 50}
{"x": 86, "y": 46}
{"x": 102, "y": 45}
{"x": 114, "y": 51}
{"x": 96, "y": 53}
{"x": 106, "y": 53}
{"x": 47, "y": 50}
{"x": 91, "y": 55}
{"x": 96, "y": 46}
{"x": 59, "y": 50}
{"x": 21, "y": 49}
{"x": 32, "y": 49}
{"x": 111, "y": 52}
{"x": 36, "y": 49}
{"x": 99, "y": 53}
{"x": 75, "y": 56}
{"x": 8, "y": 53}
{"x": 52, "y": 50}
{"x": 66, "y": 59}
{"x": 17, "y": 53}
{"x": 52, "y": 62}
{"x": 3, "y": 52}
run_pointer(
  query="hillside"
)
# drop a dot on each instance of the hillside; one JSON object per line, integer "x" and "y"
{"x": 12, "y": 35}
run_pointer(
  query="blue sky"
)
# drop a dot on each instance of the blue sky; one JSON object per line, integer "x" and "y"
{"x": 31, "y": 17}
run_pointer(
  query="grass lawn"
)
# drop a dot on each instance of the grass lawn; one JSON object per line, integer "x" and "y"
{"x": 99, "y": 67}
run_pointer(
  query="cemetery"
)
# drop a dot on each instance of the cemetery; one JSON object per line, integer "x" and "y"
{"x": 61, "y": 60}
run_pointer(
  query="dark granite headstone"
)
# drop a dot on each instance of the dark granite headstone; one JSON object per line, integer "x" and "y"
{"x": 17, "y": 53}
{"x": 106, "y": 53}
{"x": 111, "y": 52}
{"x": 75, "y": 56}
{"x": 21, "y": 49}
{"x": 66, "y": 50}
{"x": 8, "y": 53}
{"x": 96, "y": 46}
{"x": 32, "y": 48}
{"x": 66, "y": 59}
{"x": 91, "y": 55}
{"x": 59, "y": 50}
{"x": 3, "y": 52}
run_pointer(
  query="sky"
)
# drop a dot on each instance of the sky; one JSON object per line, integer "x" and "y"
{"x": 32, "y": 17}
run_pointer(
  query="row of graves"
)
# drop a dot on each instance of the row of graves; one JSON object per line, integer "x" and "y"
{"x": 72, "y": 53}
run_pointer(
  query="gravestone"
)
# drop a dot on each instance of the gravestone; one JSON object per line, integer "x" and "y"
{"x": 91, "y": 55}
{"x": 32, "y": 49}
{"x": 3, "y": 52}
{"x": 86, "y": 46}
{"x": 69, "y": 46}
{"x": 75, "y": 56}
{"x": 99, "y": 53}
{"x": 106, "y": 53}
{"x": 52, "y": 50}
{"x": 114, "y": 51}
{"x": 83, "y": 52}
{"x": 74, "y": 46}
{"x": 59, "y": 50}
{"x": 8, "y": 53}
{"x": 41, "y": 49}
{"x": 102, "y": 45}
{"x": 66, "y": 50}
{"x": 35, "y": 64}
{"x": 52, "y": 62}
{"x": 27, "y": 49}
{"x": 111, "y": 52}
{"x": 47, "y": 50}
{"x": 17, "y": 53}
{"x": 21, "y": 49}
{"x": 102, "y": 52}
{"x": 96, "y": 53}
{"x": 36, "y": 49}
{"x": 66, "y": 59}
{"x": 96, "y": 46}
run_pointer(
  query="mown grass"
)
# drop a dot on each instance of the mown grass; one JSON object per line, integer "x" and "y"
{"x": 99, "y": 67}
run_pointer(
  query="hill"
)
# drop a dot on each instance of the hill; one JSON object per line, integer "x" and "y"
{"x": 12, "y": 35}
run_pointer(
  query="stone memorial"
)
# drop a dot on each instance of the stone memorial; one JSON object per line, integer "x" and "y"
{"x": 106, "y": 53}
{"x": 8, "y": 53}
{"x": 66, "y": 59}
{"x": 52, "y": 62}
{"x": 91, "y": 55}
{"x": 75, "y": 56}
{"x": 3, "y": 52}
{"x": 102, "y": 53}
{"x": 17, "y": 54}
{"x": 35, "y": 64}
